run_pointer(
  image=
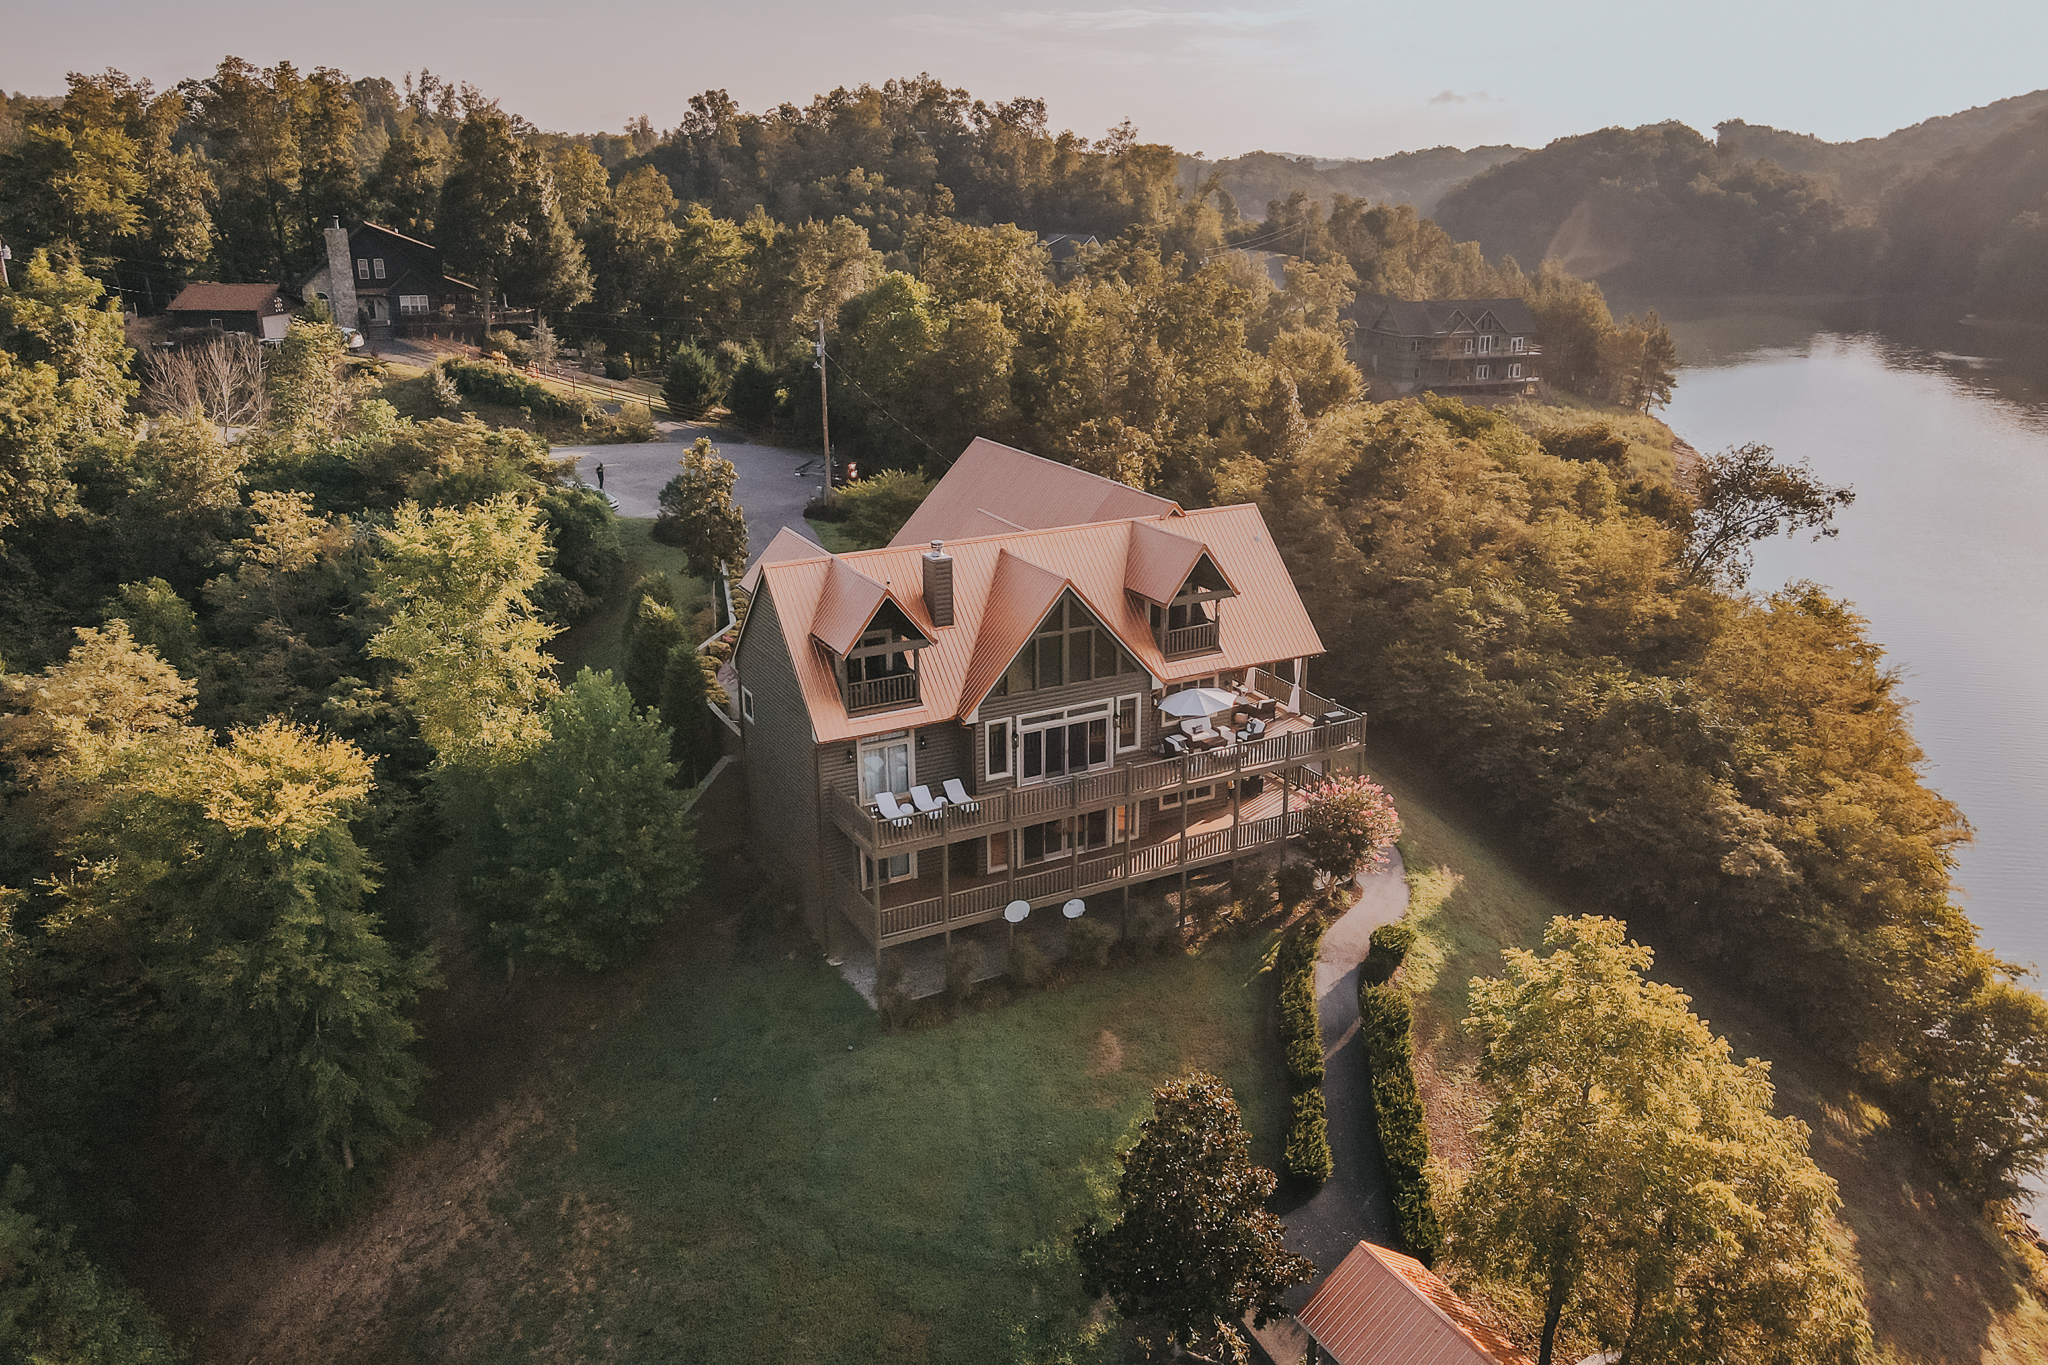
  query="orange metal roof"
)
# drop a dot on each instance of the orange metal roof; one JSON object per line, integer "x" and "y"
{"x": 786, "y": 546}
{"x": 1382, "y": 1308}
{"x": 1002, "y": 587}
{"x": 1031, "y": 493}
{"x": 204, "y": 296}
{"x": 1159, "y": 563}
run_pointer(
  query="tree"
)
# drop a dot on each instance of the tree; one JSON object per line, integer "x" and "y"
{"x": 597, "y": 842}
{"x": 222, "y": 380}
{"x": 303, "y": 392}
{"x": 1347, "y": 823}
{"x": 57, "y": 316}
{"x": 462, "y": 630}
{"x": 406, "y": 186}
{"x": 1631, "y": 1174}
{"x": 1193, "y": 1248}
{"x": 231, "y": 871}
{"x": 686, "y": 690}
{"x": 482, "y": 212}
{"x": 877, "y": 506}
{"x": 697, "y": 512}
{"x": 693, "y": 384}
{"x": 657, "y": 632}
{"x": 1744, "y": 496}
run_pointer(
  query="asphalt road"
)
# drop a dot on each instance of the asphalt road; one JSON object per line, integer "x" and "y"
{"x": 773, "y": 484}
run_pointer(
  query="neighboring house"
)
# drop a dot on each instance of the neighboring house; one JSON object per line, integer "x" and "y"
{"x": 1066, "y": 251}
{"x": 1459, "y": 347}
{"x": 1379, "y": 1307}
{"x": 256, "y": 309}
{"x": 1024, "y": 671}
{"x": 389, "y": 284}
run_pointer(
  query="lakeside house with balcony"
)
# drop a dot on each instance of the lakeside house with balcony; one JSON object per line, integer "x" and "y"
{"x": 1462, "y": 348}
{"x": 936, "y": 731}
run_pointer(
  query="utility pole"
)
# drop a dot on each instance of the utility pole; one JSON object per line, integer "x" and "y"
{"x": 824, "y": 408}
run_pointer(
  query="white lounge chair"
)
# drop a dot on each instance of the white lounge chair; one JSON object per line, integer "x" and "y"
{"x": 894, "y": 811}
{"x": 933, "y": 807}
{"x": 957, "y": 794}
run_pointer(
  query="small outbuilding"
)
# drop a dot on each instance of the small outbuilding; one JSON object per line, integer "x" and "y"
{"x": 1379, "y": 1307}
{"x": 259, "y": 310}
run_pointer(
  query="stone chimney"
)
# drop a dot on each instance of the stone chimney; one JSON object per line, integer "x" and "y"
{"x": 938, "y": 584}
{"x": 341, "y": 277}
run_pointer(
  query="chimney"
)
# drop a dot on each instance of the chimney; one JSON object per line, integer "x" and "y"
{"x": 341, "y": 277}
{"x": 938, "y": 584}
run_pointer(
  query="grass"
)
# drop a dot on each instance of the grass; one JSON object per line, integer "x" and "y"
{"x": 597, "y": 642}
{"x": 832, "y": 535}
{"x": 1941, "y": 1284}
{"x": 407, "y": 389}
{"x": 1649, "y": 440}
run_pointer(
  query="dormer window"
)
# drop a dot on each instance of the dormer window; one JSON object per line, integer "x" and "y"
{"x": 1070, "y": 646}
{"x": 1188, "y": 624}
{"x": 879, "y": 672}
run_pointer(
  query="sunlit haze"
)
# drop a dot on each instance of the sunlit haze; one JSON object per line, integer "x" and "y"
{"x": 1327, "y": 79}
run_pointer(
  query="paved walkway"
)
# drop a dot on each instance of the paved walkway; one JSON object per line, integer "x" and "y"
{"x": 1354, "y": 1205}
{"x": 773, "y": 485}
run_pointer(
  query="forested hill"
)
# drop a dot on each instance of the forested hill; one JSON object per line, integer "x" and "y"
{"x": 1419, "y": 178}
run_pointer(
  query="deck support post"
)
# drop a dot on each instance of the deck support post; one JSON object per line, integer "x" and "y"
{"x": 946, "y": 889}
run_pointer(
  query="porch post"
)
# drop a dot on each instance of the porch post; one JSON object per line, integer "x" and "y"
{"x": 946, "y": 889}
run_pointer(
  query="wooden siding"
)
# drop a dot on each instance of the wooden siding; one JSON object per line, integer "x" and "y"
{"x": 782, "y": 762}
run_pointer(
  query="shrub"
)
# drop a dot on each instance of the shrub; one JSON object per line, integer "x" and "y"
{"x": 488, "y": 383}
{"x": 1295, "y": 883}
{"x": 1029, "y": 966}
{"x": 824, "y": 508}
{"x": 1384, "y": 1023}
{"x": 617, "y": 367}
{"x": 442, "y": 389}
{"x": 877, "y": 506}
{"x": 963, "y": 960}
{"x": 1301, "y": 1033}
{"x": 892, "y": 996}
{"x": 1308, "y": 1139}
{"x": 694, "y": 384}
{"x": 754, "y": 393}
{"x": 1347, "y": 823}
{"x": 636, "y": 422}
{"x": 1090, "y": 940}
{"x": 1155, "y": 926}
{"x": 508, "y": 345}
{"x": 1389, "y": 948}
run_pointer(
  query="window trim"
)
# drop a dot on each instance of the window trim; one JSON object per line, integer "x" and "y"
{"x": 362, "y": 267}
{"x": 747, "y": 703}
{"x": 1137, "y": 704}
{"x": 377, "y": 264}
{"x": 1007, "y": 744}
{"x": 1482, "y": 371}
{"x": 1514, "y": 371}
{"x": 1519, "y": 344}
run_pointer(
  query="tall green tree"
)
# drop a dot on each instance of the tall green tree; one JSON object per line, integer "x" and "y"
{"x": 1193, "y": 1248}
{"x": 697, "y": 512}
{"x": 597, "y": 843}
{"x": 1632, "y": 1176}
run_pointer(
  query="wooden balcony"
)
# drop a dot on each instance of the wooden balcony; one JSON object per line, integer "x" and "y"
{"x": 1196, "y": 639}
{"x": 878, "y": 694}
{"x": 934, "y": 902}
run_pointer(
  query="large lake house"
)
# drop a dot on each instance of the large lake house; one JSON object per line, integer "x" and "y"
{"x": 936, "y": 731}
{"x": 1463, "y": 348}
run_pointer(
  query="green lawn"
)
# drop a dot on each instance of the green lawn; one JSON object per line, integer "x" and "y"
{"x": 596, "y": 641}
{"x": 832, "y": 535}
{"x": 748, "y": 1168}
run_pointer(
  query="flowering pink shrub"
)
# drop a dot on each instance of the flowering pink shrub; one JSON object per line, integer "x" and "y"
{"x": 1347, "y": 823}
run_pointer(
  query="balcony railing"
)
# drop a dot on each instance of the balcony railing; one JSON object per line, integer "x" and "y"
{"x": 1092, "y": 791}
{"x": 873, "y": 694}
{"x": 1199, "y": 639}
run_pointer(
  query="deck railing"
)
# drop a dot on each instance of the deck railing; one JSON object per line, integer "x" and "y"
{"x": 1126, "y": 782}
{"x": 1197, "y": 639}
{"x": 898, "y": 689}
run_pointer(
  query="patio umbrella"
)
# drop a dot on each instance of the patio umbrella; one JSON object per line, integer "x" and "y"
{"x": 1198, "y": 701}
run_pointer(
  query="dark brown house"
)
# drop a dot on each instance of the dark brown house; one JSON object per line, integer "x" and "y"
{"x": 936, "y": 732}
{"x": 389, "y": 284}
{"x": 257, "y": 310}
{"x": 1458, "y": 347}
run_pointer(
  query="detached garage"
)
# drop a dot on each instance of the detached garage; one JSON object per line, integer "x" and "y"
{"x": 256, "y": 309}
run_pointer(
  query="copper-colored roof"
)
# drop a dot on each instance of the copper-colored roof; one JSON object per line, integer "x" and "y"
{"x": 786, "y": 545}
{"x": 1002, "y": 586}
{"x": 1159, "y": 562}
{"x": 995, "y": 483}
{"x": 203, "y": 296}
{"x": 1382, "y": 1308}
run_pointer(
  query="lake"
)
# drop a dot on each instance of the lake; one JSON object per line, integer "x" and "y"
{"x": 1942, "y": 429}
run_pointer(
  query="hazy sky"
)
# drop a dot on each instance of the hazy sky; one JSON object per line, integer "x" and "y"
{"x": 1333, "y": 79}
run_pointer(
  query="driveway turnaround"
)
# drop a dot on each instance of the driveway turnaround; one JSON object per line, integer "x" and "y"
{"x": 772, "y": 487}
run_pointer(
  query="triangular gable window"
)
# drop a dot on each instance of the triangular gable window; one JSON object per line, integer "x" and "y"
{"x": 1071, "y": 645}
{"x": 1188, "y": 625}
{"x": 880, "y": 670}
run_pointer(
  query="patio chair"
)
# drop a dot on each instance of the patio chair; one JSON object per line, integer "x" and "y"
{"x": 932, "y": 806}
{"x": 1176, "y": 746}
{"x": 957, "y": 795}
{"x": 1253, "y": 729}
{"x": 894, "y": 811}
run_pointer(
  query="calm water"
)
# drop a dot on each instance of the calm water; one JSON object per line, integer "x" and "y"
{"x": 1942, "y": 428}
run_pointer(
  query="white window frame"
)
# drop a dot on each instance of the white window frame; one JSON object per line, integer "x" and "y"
{"x": 1201, "y": 793}
{"x": 990, "y": 746}
{"x": 1136, "y": 701}
{"x": 1471, "y": 345}
{"x": 1045, "y": 721}
{"x": 1482, "y": 372}
{"x": 377, "y": 264}
{"x": 414, "y": 304}
{"x": 1486, "y": 344}
{"x": 747, "y": 703}
{"x": 1520, "y": 344}
{"x": 1514, "y": 371}
{"x": 362, "y": 267}
{"x": 885, "y": 742}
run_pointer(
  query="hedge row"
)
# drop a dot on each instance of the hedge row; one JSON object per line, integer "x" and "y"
{"x": 1384, "y": 1024}
{"x": 1301, "y": 1031}
{"x": 1389, "y": 948}
{"x": 1308, "y": 1139}
{"x": 488, "y": 383}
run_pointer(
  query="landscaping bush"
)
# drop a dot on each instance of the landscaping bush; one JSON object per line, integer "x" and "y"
{"x": 1389, "y": 948}
{"x": 617, "y": 367}
{"x": 824, "y": 508}
{"x": 1384, "y": 1023}
{"x": 1155, "y": 926}
{"x": 488, "y": 383}
{"x": 963, "y": 960}
{"x": 508, "y": 345}
{"x": 694, "y": 384}
{"x": 892, "y": 996}
{"x": 1308, "y": 1140}
{"x": 1301, "y": 1032}
{"x": 1295, "y": 883}
{"x": 1090, "y": 940}
{"x": 1029, "y": 966}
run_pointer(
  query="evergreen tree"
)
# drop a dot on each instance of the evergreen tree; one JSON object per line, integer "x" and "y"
{"x": 697, "y": 512}
{"x": 685, "y": 693}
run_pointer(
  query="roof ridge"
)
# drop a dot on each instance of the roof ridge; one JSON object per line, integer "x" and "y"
{"x": 1159, "y": 519}
{"x": 1381, "y": 1254}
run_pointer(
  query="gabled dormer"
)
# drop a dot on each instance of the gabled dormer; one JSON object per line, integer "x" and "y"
{"x": 872, "y": 642}
{"x": 1181, "y": 588}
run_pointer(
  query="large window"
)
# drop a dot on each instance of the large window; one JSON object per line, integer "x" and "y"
{"x": 1070, "y": 646}
{"x": 1063, "y": 743}
{"x": 412, "y": 303}
{"x": 893, "y": 869}
{"x": 885, "y": 765}
{"x": 1520, "y": 343}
